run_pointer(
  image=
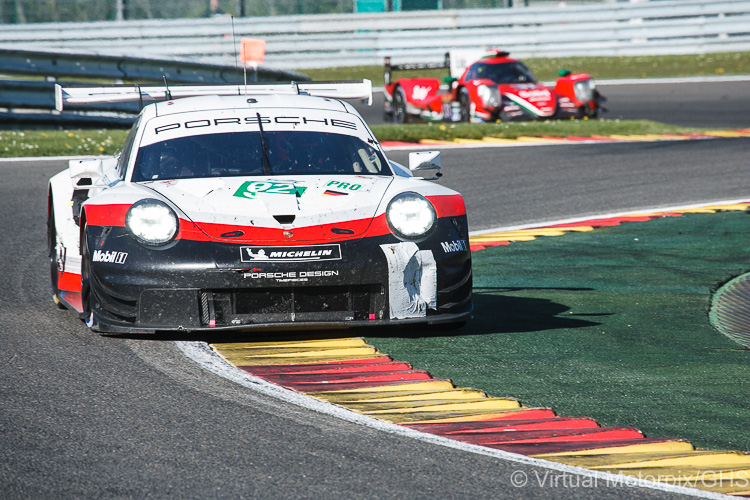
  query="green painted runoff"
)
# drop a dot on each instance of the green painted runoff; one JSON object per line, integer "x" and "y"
{"x": 611, "y": 324}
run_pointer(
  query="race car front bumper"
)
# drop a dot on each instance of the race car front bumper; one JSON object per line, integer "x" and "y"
{"x": 198, "y": 285}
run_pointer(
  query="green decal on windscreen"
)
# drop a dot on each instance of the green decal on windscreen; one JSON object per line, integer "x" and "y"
{"x": 250, "y": 189}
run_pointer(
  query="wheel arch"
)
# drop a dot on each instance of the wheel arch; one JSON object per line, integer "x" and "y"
{"x": 59, "y": 194}
{"x": 82, "y": 231}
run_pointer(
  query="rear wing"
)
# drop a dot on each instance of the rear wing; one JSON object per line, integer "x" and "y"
{"x": 456, "y": 60}
{"x": 136, "y": 93}
{"x": 390, "y": 68}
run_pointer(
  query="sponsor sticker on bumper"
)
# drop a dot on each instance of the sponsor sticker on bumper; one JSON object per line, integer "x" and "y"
{"x": 110, "y": 257}
{"x": 290, "y": 254}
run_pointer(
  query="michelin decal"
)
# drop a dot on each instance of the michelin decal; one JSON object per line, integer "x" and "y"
{"x": 290, "y": 254}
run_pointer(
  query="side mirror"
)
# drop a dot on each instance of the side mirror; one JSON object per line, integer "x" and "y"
{"x": 425, "y": 160}
{"x": 91, "y": 170}
{"x": 80, "y": 169}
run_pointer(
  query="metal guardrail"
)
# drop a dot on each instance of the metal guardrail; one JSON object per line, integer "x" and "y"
{"x": 308, "y": 41}
{"x": 59, "y": 64}
{"x": 39, "y": 96}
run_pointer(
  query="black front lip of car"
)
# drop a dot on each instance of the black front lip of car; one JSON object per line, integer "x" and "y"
{"x": 205, "y": 286}
{"x": 447, "y": 319}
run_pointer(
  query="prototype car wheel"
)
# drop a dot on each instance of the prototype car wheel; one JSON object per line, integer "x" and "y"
{"x": 586, "y": 111}
{"x": 399, "y": 106}
{"x": 464, "y": 102}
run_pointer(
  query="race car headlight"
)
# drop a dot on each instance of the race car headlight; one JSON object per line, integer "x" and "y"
{"x": 584, "y": 90}
{"x": 152, "y": 222}
{"x": 490, "y": 96}
{"x": 410, "y": 216}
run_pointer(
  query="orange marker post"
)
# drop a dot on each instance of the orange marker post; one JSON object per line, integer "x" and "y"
{"x": 252, "y": 53}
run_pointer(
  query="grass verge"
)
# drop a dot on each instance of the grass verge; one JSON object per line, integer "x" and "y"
{"x": 15, "y": 144}
{"x": 555, "y": 128}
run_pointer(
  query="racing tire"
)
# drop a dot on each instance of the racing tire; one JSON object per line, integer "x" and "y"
{"x": 87, "y": 292}
{"x": 504, "y": 116}
{"x": 399, "y": 107}
{"x": 464, "y": 104}
{"x": 52, "y": 248}
{"x": 586, "y": 111}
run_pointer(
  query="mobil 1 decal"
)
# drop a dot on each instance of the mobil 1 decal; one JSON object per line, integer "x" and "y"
{"x": 455, "y": 246}
{"x": 341, "y": 188}
{"x": 112, "y": 257}
{"x": 251, "y": 189}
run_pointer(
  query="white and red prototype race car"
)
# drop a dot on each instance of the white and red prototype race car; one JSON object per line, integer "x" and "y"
{"x": 256, "y": 206}
{"x": 486, "y": 86}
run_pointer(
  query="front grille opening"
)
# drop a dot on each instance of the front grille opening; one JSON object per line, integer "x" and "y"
{"x": 110, "y": 307}
{"x": 284, "y": 219}
{"x": 290, "y": 304}
{"x": 327, "y": 299}
{"x": 264, "y": 302}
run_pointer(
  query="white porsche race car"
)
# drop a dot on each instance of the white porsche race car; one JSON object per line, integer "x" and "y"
{"x": 254, "y": 206}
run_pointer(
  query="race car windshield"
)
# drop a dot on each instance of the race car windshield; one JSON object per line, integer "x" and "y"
{"x": 509, "y": 72}
{"x": 241, "y": 154}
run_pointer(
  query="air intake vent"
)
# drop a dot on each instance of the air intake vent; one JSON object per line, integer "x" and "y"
{"x": 284, "y": 219}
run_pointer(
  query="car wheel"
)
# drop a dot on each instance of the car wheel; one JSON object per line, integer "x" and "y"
{"x": 504, "y": 116}
{"x": 52, "y": 250}
{"x": 464, "y": 103}
{"x": 585, "y": 111}
{"x": 399, "y": 106}
{"x": 87, "y": 293}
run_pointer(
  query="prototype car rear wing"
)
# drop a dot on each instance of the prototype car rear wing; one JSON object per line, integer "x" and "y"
{"x": 456, "y": 60}
{"x": 389, "y": 68}
{"x": 132, "y": 93}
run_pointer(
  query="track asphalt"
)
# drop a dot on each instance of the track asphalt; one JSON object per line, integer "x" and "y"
{"x": 503, "y": 418}
{"x": 606, "y": 318}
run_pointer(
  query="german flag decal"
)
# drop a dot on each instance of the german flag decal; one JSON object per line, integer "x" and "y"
{"x": 330, "y": 192}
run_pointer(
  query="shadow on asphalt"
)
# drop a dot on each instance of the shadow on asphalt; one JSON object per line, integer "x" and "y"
{"x": 495, "y": 312}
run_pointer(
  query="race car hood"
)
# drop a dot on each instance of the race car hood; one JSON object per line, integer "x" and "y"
{"x": 252, "y": 209}
{"x": 532, "y": 97}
